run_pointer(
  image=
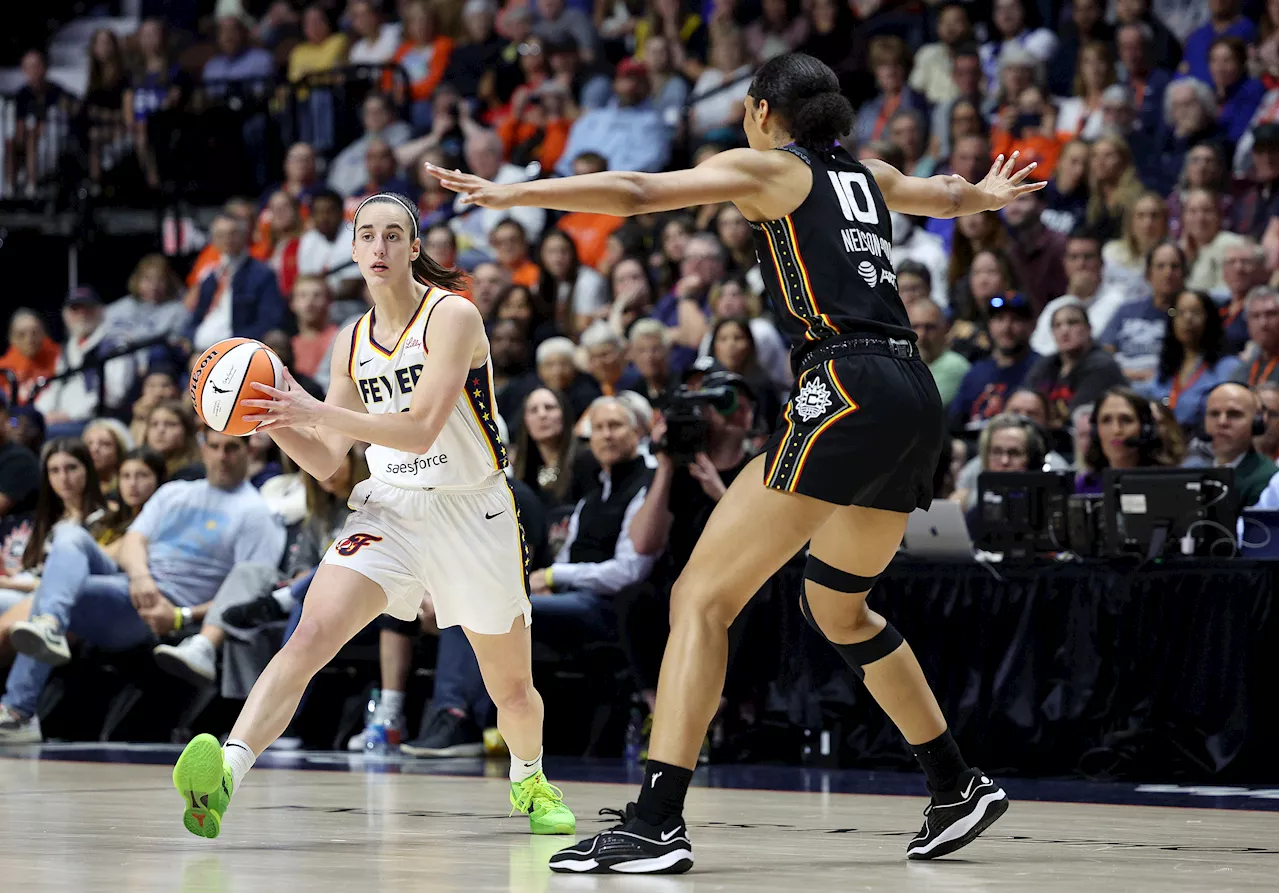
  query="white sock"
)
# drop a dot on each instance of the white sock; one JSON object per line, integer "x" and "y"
{"x": 520, "y": 770}
{"x": 240, "y": 757}
{"x": 284, "y": 597}
{"x": 391, "y": 706}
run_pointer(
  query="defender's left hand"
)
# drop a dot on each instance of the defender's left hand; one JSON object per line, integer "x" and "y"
{"x": 1002, "y": 184}
{"x": 290, "y": 408}
{"x": 474, "y": 190}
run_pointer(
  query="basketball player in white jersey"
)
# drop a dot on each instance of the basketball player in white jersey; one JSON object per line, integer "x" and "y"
{"x": 412, "y": 378}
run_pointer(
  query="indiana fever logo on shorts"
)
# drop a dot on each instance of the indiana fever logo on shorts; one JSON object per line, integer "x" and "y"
{"x": 354, "y": 543}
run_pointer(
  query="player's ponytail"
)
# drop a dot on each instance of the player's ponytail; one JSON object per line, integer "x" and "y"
{"x": 805, "y": 94}
{"x": 425, "y": 270}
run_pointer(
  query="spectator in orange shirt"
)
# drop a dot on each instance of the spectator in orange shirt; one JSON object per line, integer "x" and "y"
{"x": 310, "y": 303}
{"x": 32, "y": 354}
{"x": 590, "y": 232}
{"x": 511, "y": 250}
{"x": 538, "y": 127}
{"x": 1028, "y": 128}
{"x": 277, "y": 247}
{"x": 424, "y": 55}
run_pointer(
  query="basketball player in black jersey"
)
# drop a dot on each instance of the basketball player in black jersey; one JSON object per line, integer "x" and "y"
{"x": 855, "y": 453}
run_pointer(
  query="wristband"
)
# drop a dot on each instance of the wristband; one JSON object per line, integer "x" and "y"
{"x": 177, "y": 619}
{"x": 187, "y": 616}
{"x": 548, "y": 578}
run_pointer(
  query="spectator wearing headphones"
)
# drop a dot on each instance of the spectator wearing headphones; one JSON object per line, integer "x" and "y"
{"x": 1123, "y": 435}
{"x": 1233, "y": 417}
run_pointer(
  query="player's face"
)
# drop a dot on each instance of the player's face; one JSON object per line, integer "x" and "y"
{"x": 384, "y": 247}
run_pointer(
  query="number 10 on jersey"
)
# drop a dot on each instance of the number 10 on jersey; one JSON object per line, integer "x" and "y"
{"x": 860, "y": 208}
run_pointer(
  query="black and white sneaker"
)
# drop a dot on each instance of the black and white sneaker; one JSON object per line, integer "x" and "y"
{"x": 954, "y": 818}
{"x": 633, "y": 847}
{"x": 446, "y": 733}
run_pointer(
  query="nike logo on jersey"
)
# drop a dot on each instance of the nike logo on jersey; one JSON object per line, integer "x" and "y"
{"x": 667, "y": 835}
{"x": 489, "y": 517}
{"x": 365, "y": 362}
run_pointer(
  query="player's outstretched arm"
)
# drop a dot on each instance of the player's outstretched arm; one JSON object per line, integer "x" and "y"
{"x": 952, "y": 196}
{"x": 455, "y": 332}
{"x": 735, "y": 175}
{"x": 320, "y": 451}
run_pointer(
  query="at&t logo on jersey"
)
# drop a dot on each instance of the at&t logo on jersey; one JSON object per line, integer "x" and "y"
{"x": 873, "y": 275}
{"x": 354, "y": 543}
{"x": 813, "y": 400}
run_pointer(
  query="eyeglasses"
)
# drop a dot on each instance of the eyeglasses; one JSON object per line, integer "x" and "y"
{"x": 529, "y": 49}
{"x": 1010, "y": 453}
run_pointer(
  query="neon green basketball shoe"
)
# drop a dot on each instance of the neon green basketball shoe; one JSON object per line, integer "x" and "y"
{"x": 543, "y": 802}
{"x": 205, "y": 785}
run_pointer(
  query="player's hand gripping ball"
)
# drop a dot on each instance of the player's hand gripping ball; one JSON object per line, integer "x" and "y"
{"x": 224, "y": 376}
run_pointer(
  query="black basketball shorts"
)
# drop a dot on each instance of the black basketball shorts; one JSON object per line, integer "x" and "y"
{"x": 863, "y": 427}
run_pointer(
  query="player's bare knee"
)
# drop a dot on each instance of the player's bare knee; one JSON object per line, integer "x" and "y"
{"x": 309, "y": 643}
{"x": 515, "y": 697}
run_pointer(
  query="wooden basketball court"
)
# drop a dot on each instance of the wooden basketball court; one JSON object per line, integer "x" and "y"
{"x": 116, "y": 826}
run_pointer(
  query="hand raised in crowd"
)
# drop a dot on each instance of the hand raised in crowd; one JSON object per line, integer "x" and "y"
{"x": 708, "y": 476}
{"x": 1002, "y": 184}
{"x": 690, "y": 287}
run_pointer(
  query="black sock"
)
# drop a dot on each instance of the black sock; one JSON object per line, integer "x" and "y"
{"x": 662, "y": 793}
{"x": 941, "y": 761}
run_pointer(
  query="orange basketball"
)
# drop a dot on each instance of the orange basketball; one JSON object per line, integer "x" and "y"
{"x": 221, "y": 378}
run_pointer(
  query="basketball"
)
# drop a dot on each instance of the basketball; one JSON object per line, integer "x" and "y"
{"x": 223, "y": 376}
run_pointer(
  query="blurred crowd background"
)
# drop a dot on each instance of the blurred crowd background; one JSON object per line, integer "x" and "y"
{"x": 179, "y": 172}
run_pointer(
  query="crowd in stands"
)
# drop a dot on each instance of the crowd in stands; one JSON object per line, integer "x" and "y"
{"x": 1125, "y": 316}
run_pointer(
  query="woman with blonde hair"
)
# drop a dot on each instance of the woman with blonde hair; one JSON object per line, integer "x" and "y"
{"x": 1113, "y": 184}
{"x": 108, "y": 441}
{"x": 1080, "y": 117}
{"x": 1124, "y": 259}
{"x": 152, "y": 307}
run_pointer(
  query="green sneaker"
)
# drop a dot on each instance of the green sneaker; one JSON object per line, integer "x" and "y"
{"x": 544, "y": 804}
{"x": 205, "y": 785}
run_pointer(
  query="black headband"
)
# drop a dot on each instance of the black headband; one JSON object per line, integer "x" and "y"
{"x": 413, "y": 215}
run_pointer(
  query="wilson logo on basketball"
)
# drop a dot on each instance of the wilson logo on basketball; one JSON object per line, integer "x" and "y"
{"x": 354, "y": 543}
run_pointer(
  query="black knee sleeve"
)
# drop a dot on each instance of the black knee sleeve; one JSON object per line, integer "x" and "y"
{"x": 833, "y": 578}
{"x": 859, "y": 654}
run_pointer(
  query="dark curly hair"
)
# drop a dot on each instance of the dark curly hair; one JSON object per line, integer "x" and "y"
{"x": 1213, "y": 340}
{"x": 805, "y": 94}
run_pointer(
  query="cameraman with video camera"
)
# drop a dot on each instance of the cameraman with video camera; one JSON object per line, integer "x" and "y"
{"x": 701, "y": 445}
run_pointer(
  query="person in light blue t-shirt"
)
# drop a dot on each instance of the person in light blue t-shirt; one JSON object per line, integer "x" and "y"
{"x": 171, "y": 562}
{"x": 1136, "y": 332}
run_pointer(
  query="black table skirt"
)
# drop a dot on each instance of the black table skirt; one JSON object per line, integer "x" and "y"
{"x": 1167, "y": 672}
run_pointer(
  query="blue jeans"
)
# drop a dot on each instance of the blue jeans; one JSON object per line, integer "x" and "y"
{"x": 562, "y": 621}
{"x": 84, "y": 590}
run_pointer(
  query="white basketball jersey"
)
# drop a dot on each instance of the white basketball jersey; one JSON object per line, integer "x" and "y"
{"x": 468, "y": 452}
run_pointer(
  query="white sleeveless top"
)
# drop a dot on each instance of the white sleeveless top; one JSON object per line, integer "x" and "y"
{"x": 468, "y": 452}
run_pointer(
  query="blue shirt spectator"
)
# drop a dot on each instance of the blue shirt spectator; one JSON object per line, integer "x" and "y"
{"x": 990, "y": 381}
{"x": 1225, "y": 21}
{"x": 1134, "y": 335}
{"x": 628, "y": 132}
{"x": 236, "y": 60}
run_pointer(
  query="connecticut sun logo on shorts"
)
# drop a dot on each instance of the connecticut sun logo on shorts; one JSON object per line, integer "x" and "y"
{"x": 354, "y": 543}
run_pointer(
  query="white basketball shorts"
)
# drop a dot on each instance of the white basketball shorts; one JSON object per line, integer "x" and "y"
{"x": 463, "y": 548}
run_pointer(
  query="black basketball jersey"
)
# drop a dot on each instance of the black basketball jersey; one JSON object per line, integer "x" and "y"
{"x": 826, "y": 264}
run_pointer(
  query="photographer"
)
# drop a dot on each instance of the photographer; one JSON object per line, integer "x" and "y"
{"x": 685, "y": 488}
